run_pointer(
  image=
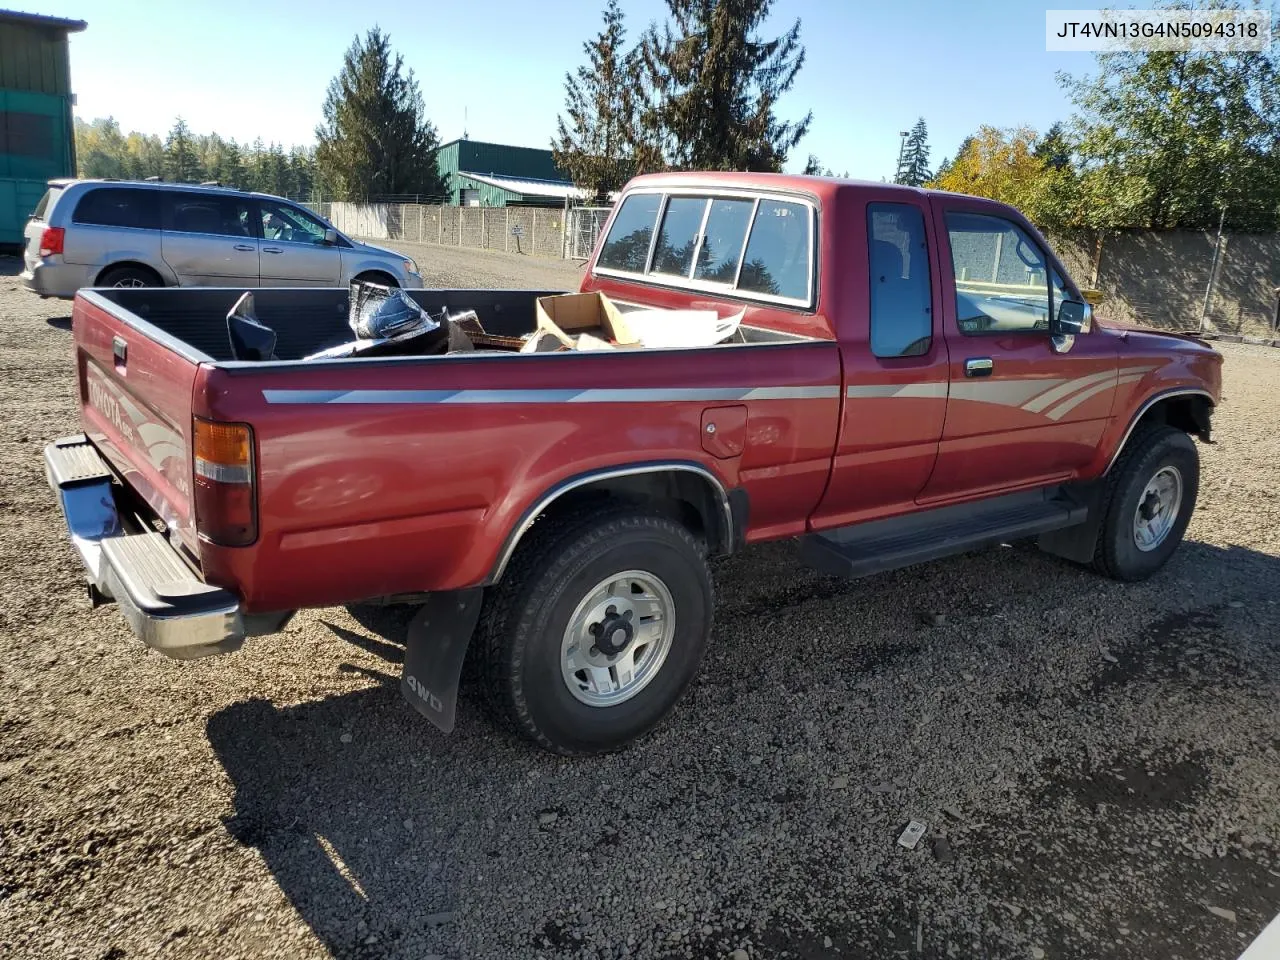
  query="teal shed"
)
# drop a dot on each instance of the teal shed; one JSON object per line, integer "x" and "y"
{"x": 37, "y": 136}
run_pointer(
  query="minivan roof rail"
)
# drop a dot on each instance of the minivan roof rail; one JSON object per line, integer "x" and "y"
{"x": 152, "y": 179}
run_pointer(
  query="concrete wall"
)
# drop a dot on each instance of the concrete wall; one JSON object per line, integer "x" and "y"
{"x": 1159, "y": 279}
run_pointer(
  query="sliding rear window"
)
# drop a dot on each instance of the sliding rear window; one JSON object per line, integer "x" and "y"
{"x": 761, "y": 248}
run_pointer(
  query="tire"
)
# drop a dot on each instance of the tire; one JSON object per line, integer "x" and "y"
{"x": 130, "y": 277}
{"x": 1152, "y": 463}
{"x": 383, "y": 278}
{"x": 552, "y": 591}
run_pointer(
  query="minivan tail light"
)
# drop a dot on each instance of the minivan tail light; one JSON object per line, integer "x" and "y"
{"x": 225, "y": 499}
{"x": 51, "y": 241}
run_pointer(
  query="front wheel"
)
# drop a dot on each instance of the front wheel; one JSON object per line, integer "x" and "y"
{"x": 597, "y": 629}
{"x": 1151, "y": 493}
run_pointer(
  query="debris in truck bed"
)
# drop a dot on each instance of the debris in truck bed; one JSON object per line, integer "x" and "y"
{"x": 469, "y": 323}
{"x": 676, "y": 329}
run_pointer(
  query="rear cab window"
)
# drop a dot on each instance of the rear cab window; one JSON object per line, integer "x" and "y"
{"x": 119, "y": 207}
{"x": 742, "y": 245}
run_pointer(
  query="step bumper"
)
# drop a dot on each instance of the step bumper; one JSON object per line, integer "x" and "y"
{"x": 165, "y": 602}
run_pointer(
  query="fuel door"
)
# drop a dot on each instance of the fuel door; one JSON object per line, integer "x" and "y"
{"x": 724, "y": 430}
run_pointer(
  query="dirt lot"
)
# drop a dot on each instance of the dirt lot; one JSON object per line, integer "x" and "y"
{"x": 1098, "y": 764}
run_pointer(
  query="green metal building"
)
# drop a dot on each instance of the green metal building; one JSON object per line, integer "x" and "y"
{"x": 497, "y": 175}
{"x": 37, "y": 135}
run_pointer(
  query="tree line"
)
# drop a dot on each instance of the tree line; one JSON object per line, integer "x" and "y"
{"x": 104, "y": 150}
{"x": 1158, "y": 140}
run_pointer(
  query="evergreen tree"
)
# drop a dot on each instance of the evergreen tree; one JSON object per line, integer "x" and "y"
{"x": 1053, "y": 148}
{"x": 301, "y": 174}
{"x": 913, "y": 169}
{"x": 376, "y": 138}
{"x": 593, "y": 144}
{"x": 180, "y": 161}
{"x": 229, "y": 166}
{"x": 712, "y": 86}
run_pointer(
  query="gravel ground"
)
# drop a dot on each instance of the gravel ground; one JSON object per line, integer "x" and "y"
{"x": 1098, "y": 764}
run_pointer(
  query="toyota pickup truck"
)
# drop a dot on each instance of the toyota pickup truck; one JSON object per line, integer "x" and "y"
{"x": 915, "y": 375}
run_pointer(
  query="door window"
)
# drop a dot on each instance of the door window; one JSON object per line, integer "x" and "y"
{"x": 285, "y": 222}
{"x": 208, "y": 213}
{"x": 119, "y": 207}
{"x": 1002, "y": 282}
{"x": 898, "y": 265}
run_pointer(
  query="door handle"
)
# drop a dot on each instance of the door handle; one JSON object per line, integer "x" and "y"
{"x": 272, "y": 250}
{"x": 120, "y": 351}
{"x": 978, "y": 367}
{"x": 244, "y": 246}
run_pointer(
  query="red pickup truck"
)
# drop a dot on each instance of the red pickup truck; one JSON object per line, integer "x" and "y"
{"x": 915, "y": 375}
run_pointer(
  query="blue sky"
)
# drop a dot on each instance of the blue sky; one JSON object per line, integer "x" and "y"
{"x": 260, "y": 69}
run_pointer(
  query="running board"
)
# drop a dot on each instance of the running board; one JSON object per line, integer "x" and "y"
{"x": 867, "y": 548}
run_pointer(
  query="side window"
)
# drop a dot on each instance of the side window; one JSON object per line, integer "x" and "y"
{"x": 898, "y": 268}
{"x": 281, "y": 221}
{"x": 777, "y": 261}
{"x": 678, "y": 235}
{"x": 627, "y": 246}
{"x": 208, "y": 213}
{"x": 119, "y": 207}
{"x": 722, "y": 240}
{"x": 1002, "y": 283}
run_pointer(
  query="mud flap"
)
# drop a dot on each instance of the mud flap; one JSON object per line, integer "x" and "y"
{"x": 434, "y": 650}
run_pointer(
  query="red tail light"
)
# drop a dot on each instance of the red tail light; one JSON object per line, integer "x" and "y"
{"x": 225, "y": 500}
{"x": 51, "y": 241}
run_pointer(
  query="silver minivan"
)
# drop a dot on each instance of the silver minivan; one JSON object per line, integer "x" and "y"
{"x": 108, "y": 233}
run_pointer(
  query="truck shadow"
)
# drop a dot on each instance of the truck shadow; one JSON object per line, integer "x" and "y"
{"x": 386, "y": 835}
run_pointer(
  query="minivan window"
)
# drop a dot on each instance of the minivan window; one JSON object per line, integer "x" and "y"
{"x": 208, "y": 213}
{"x": 283, "y": 221}
{"x": 42, "y": 208}
{"x": 777, "y": 258}
{"x": 627, "y": 246}
{"x": 119, "y": 207}
{"x": 898, "y": 271}
{"x": 678, "y": 235}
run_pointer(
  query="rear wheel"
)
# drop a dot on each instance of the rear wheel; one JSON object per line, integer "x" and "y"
{"x": 1151, "y": 493}
{"x": 597, "y": 629}
{"x": 130, "y": 277}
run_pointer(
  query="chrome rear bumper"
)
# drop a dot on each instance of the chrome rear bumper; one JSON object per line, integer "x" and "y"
{"x": 169, "y": 607}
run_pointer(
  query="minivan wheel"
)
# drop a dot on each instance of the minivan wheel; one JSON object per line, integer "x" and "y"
{"x": 383, "y": 278}
{"x": 129, "y": 277}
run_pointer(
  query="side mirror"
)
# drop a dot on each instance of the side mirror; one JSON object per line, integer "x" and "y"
{"x": 1074, "y": 317}
{"x": 331, "y": 237}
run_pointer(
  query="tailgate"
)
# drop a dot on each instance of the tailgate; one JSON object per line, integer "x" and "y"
{"x": 135, "y": 406}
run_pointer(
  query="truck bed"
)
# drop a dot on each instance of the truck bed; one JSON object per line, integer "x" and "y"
{"x": 309, "y": 319}
{"x": 433, "y": 460}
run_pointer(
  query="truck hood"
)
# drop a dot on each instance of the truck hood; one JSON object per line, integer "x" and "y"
{"x": 1151, "y": 334}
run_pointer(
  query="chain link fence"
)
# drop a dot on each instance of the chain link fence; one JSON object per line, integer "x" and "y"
{"x": 538, "y": 231}
{"x": 585, "y": 224}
